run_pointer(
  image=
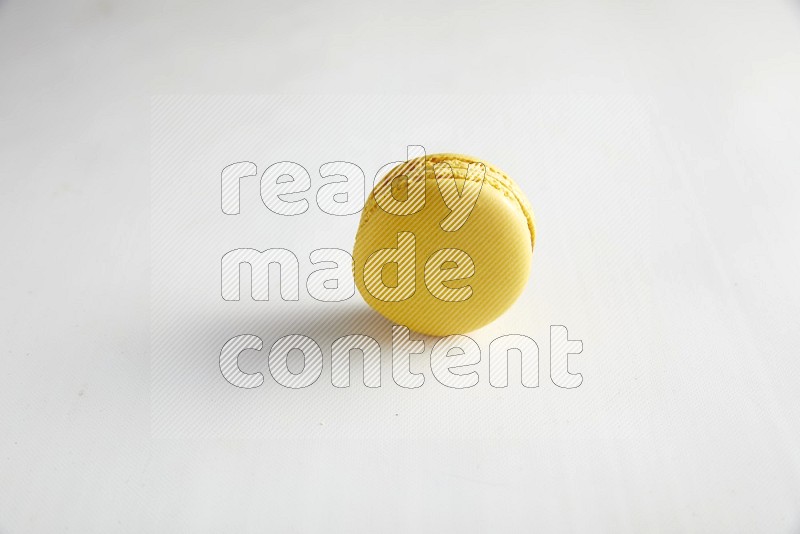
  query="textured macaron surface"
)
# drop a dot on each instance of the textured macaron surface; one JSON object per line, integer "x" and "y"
{"x": 439, "y": 280}
{"x": 494, "y": 177}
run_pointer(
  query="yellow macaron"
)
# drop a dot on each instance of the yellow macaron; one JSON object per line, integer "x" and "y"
{"x": 444, "y": 245}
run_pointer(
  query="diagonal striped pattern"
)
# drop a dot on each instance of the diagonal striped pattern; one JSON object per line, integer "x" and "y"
{"x": 377, "y": 278}
{"x": 279, "y": 365}
{"x": 450, "y": 353}
{"x": 260, "y": 262}
{"x": 510, "y": 346}
{"x": 341, "y": 351}
{"x": 449, "y": 265}
{"x": 402, "y": 349}
{"x": 230, "y": 181}
{"x": 460, "y": 202}
{"x": 229, "y": 361}
{"x": 560, "y": 349}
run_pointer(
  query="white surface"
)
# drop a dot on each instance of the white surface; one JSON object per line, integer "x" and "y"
{"x": 677, "y": 268}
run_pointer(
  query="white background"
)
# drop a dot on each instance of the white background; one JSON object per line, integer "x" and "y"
{"x": 658, "y": 146}
{"x": 593, "y": 210}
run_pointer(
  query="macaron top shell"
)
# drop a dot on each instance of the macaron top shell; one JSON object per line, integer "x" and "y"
{"x": 496, "y": 240}
{"x": 460, "y": 163}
